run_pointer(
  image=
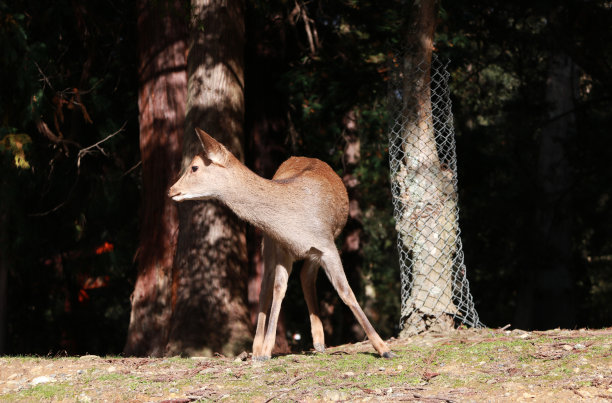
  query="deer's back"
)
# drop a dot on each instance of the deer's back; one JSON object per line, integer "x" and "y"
{"x": 313, "y": 183}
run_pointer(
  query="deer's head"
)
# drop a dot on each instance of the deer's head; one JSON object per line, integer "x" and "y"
{"x": 207, "y": 175}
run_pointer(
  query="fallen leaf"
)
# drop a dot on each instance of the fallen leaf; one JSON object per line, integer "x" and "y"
{"x": 429, "y": 375}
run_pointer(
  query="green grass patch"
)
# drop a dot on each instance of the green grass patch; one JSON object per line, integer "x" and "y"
{"x": 49, "y": 391}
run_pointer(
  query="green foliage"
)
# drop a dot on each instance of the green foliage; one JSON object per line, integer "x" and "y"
{"x": 69, "y": 67}
{"x": 500, "y": 55}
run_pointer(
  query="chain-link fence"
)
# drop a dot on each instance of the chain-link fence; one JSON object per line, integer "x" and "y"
{"x": 435, "y": 291}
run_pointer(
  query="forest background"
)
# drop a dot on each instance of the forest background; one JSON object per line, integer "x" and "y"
{"x": 82, "y": 206}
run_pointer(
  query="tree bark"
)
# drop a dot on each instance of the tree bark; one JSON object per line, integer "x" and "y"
{"x": 210, "y": 267}
{"x": 162, "y": 44}
{"x": 545, "y": 299}
{"x": 428, "y": 224}
{"x": 352, "y": 248}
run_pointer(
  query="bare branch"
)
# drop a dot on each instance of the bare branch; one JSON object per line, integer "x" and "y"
{"x": 139, "y": 163}
{"x": 89, "y": 149}
{"x": 48, "y": 133}
{"x": 44, "y": 78}
{"x": 299, "y": 11}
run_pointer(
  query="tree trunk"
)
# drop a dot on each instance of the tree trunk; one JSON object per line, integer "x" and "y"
{"x": 352, "y": 248}
{"x": 210, "y": 267}
{"x": 546, "y": 294}
{"x": 428, "y": 224}
{"x": 162, "y": 42}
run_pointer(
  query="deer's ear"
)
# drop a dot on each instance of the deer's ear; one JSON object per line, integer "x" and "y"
{"x": 213, "y": 150}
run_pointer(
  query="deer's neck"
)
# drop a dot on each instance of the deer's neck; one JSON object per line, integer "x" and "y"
{"x": 256, "y": 200}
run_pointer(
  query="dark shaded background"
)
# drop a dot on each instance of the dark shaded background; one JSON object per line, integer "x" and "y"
{"x": 69, "y": 222}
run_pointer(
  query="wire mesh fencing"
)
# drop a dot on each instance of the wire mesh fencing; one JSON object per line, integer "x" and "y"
{"x": 434, "y": 289}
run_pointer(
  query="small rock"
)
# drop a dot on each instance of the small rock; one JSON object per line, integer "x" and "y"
{"x": 524, "y": 336}
{"x": 111, "y": 369}
{"x": 528, "y": 396}
{"x": 173, "y": 390}
{"x": 349, "y": 374}
{"x": 80, "y": 372}
{"x": 89, "y": 357}
{"x": 579, "y": 346}
{"x": 335, "y": 396}
{"x": 242, "y": 357}
{"x": 83, "y": 398}
{"x": 41, "y": 379}
{"x": 566, "y": 347}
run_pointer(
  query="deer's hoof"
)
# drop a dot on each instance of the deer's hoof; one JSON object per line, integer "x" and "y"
{"x": 388, "y": 354}
{"x": 319, "y": 347}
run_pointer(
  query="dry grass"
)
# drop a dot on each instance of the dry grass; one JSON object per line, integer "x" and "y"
{"x": 466, "y": 365}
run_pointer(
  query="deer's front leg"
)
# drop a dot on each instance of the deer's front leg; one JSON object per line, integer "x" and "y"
{"x": 277, "y": 267}
{"x": 281, "y": 276}
{"x": 265, "y": 299}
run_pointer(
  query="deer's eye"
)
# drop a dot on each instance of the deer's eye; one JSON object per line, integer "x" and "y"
{"x": 194, "y": 168}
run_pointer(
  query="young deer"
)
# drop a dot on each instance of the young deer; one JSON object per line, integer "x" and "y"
{"x": 301, "y": 210}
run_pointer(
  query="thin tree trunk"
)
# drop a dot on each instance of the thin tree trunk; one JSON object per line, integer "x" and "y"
{"x": 266, "y": 126}
{"x": 429, "y": 209}
{"x": 352, "y": 248}
{"x": 210, "y": 267}
{"x": 546, "y": 294}
{"x": 162, "y": 95}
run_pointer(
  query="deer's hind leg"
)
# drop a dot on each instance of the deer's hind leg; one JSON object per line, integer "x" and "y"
{"x": 335, "y": 272}
{"x": 277, "y": 267}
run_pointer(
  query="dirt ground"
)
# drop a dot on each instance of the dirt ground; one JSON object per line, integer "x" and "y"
{"x": 461, "y": 366}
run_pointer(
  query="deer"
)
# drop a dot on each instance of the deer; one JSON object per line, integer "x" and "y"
{"x": 300, "y": 212}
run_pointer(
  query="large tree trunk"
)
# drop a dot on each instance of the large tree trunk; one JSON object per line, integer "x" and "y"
{"x": 162, "y": 40}
{"x": 546, "y": 292}
{"x": 428, "y": 224}
{"x": 210, "y": 267}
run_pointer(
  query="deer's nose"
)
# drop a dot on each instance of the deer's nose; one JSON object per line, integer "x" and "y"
{"x": 173, "y": 192}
